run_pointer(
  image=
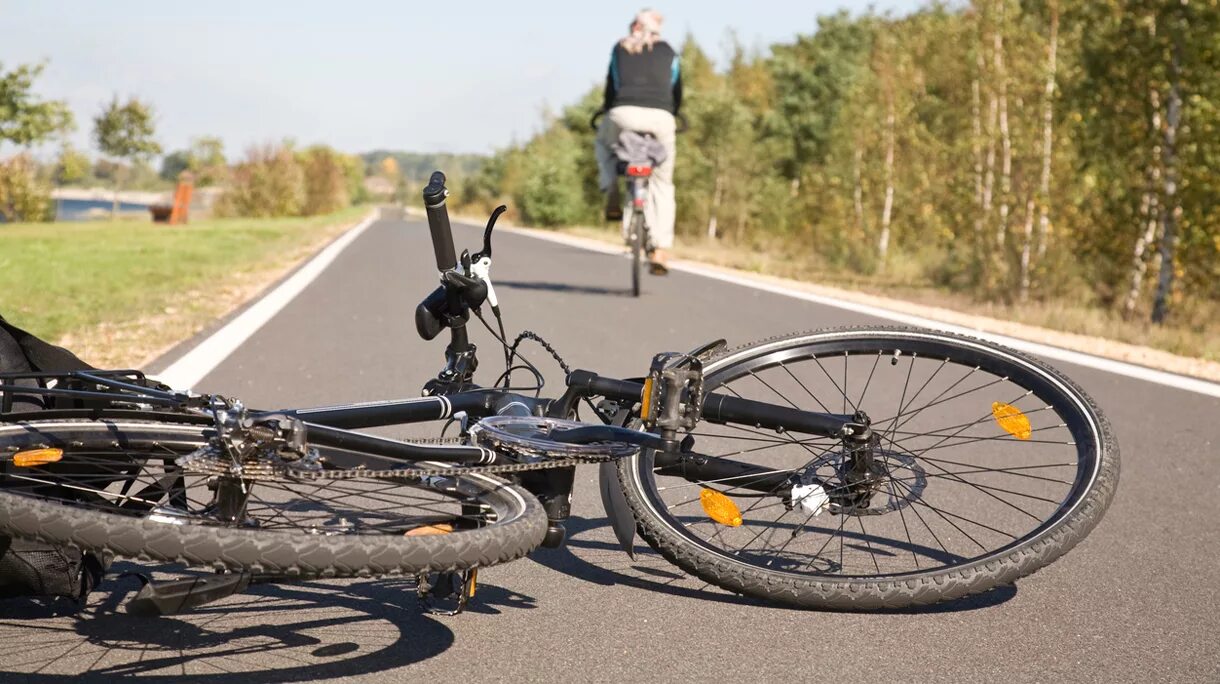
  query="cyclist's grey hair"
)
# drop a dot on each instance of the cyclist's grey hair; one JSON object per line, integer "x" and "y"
{"x": 645, "y": 30}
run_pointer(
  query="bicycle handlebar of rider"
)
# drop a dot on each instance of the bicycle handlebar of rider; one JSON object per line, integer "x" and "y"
{"x": 438, "y": 222}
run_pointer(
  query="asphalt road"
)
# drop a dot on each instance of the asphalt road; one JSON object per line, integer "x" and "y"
{"x": 1138, "y": 600}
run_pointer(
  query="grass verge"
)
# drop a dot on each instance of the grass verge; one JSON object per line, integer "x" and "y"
{"x": 120, "y": 293}
{"x": 1190, "y": 346}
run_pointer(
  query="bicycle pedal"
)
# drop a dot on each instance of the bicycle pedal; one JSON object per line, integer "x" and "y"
{"x": 447, "y": 593}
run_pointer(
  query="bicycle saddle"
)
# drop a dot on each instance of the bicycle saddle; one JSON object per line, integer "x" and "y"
{"x": 639, "y": 149}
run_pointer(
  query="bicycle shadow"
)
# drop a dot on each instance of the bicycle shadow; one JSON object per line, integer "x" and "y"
{"x": 306, "y": 631}
{"x": 603, "y": 562}
{"x": 564, "y": 288}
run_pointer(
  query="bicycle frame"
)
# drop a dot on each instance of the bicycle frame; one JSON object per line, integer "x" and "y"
{"x": 452, "y": 395}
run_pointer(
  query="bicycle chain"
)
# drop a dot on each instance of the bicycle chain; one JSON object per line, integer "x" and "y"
{"x": 213, "y": 463}
{"x": 277, "y": 471}
{"x": 399, "y": 473}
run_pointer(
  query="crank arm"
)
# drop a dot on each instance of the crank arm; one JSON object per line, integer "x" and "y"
{"x": 713, "y": 470}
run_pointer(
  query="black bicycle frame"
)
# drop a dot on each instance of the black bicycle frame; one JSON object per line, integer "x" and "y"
{"x": 452, "y": 395}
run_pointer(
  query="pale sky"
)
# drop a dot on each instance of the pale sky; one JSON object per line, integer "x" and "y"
{"x": 358, "y": 74}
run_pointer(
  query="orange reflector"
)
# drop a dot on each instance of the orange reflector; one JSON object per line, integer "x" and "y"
{"x": 474, "y": 579}
{"x": 37, "y": 457}
{"x": 720, "y": 508}
{"x": 1012, "y": 420}
{"x": 439, "y": 528}
{"x": 646, "y": 399}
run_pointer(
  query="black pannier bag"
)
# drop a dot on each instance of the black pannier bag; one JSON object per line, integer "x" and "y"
{"x": 30, "y": 568}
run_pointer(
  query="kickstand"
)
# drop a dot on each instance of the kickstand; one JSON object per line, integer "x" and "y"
{"x": 176, "y": 596}
{"x": 453, "y": 588}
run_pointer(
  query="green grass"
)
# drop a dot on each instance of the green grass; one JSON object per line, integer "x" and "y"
{"x": 65, "y": 279}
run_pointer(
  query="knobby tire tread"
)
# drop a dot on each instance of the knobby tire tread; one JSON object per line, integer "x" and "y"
{"x": 919, "y": 590}
{"x": 292, "y": 553}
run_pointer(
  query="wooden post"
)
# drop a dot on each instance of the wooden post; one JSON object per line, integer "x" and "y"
{"x": 182, "y": 198}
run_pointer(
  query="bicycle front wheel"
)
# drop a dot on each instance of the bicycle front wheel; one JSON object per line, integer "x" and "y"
{"x": 117, "y": 486}
{"x": 989, "y": 465}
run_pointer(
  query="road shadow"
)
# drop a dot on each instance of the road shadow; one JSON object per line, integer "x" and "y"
{"x": 565, "y": 288}
{"x": 308, "y": 631}
{"x": 604, "y": 562}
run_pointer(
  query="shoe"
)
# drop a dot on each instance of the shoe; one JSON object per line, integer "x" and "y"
{"x": 657, "y": 262}
{"x": 614, "y": 203}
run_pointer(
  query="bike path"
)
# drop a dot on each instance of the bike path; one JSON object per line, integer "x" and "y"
{"x": 1137, "y": 599}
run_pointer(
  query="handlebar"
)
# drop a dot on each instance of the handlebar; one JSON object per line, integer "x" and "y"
{"x": 594, "y": 384}
{"x": 719, "y": 408}
{"x": 438, "y": 222}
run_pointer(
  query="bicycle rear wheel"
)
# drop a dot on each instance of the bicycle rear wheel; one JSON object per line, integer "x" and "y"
{"x": 636, "y": 237}
{"x": 115, "y": 486}
{"x": 990, "y": 465}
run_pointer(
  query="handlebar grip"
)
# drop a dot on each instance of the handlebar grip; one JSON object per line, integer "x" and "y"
{"x": 438, "y": 222}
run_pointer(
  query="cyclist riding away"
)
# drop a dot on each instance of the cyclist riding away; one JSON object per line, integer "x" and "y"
{"x": 643, "y": 94}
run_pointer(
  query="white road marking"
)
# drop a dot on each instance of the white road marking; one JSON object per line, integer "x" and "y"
{"x": 1123, "y": 368}
{"x": 192, "y": 366}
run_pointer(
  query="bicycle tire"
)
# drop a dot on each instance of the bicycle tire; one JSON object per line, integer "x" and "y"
{"x": 1092, "y": 488}
{"x": 637, "y": 251}
{"x": 42, "y": 511}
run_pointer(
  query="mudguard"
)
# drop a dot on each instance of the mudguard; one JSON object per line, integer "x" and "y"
{"x": 177, "y": 596}
{"x": 617, "y": 511}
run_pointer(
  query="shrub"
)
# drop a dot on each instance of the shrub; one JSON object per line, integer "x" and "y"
{"x": 326, "y": 186}
{"x": 551, "y": 192}
{"x": 23, "y": 197}
{"x": 268, "y": 183}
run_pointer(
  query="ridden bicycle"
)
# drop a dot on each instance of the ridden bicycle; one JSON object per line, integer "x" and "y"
{"x": 854, "y": 468}
{"x": 639, "y": 153}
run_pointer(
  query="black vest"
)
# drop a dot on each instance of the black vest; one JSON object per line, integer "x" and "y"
{"x": 646, "y": 79}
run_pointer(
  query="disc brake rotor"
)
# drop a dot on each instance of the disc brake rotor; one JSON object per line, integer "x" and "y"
{"x": 902, "y": 483}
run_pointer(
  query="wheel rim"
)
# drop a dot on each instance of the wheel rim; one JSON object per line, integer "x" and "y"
{"x": 129, "y": 469}
{"x": 947, "y": 496}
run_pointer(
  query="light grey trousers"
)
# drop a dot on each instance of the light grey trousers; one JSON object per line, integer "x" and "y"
{"x": 661, "y": 208}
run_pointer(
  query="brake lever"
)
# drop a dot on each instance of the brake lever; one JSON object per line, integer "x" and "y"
{"x": 491, "y": 224}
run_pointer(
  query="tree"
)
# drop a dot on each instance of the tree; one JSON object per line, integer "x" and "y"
{"x": 389, "y": 170}
{"x": 268, "y": 183}
{"x": 960, "y": 142}
{"x": 326, "y": 187}
{"x": 1040, "y": 199}
{"x": 125, "y": 131}
{"x": 206, "y": 159}
{"x": 174, "y": 163}
{"x": 25, "y": 120}
{"x": 72, "y": 165}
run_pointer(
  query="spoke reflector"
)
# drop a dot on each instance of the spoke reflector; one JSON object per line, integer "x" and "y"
{"x": 36, "y": 457}
{"x": 646, "y": 399}
{"x": 720, "y": 508}
{"x": 427, "y": 530}
{"x": 1012, "y": 420}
